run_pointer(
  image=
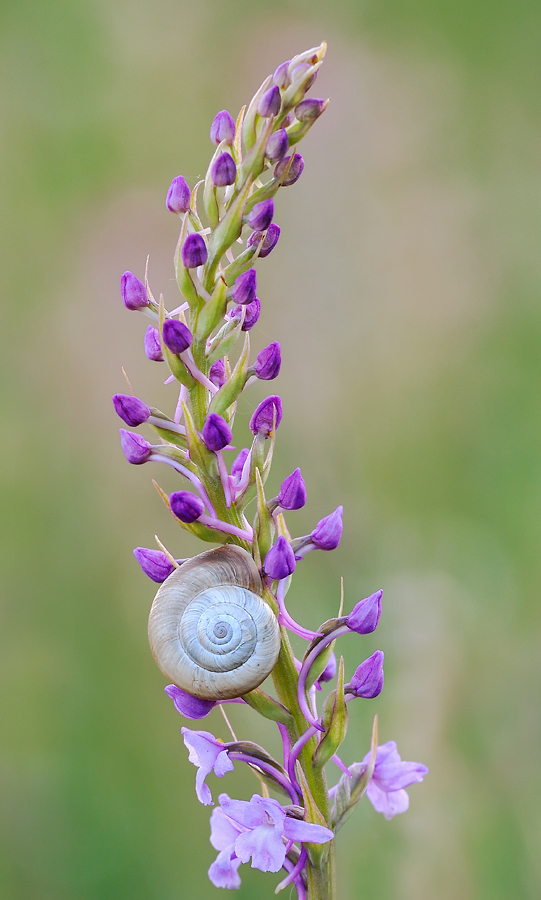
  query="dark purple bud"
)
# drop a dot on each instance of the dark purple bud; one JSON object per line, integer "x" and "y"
{"x": 269, "y": 241}
{"x": 177, "y": 337}
{"x": 294, "y": 171}
{"x": 224, "y": 170}
{"x": 267, "y": 415}
{"x": 261, "y": 215}
{"x": 134, "y": 293}
{"x": 217, "y": 373}
{"x": 136, "y": 449}
{"x": 185, "y": 506}
{"x": 153, "y": 348}
{"x": 222, "y": 128}
{"x": 280, "y": 560}
{"x": 238, "y": 465}
{"x": 309, "y": 110}
{"x": 245, "y": 287}
{"x": 364, "y": 616}
{"x": 194, "y": 251}
{"x": 268, "y": 362}
{"x": 131, "y": 410}
{"x": 277, "y": 145}
{"x": 329, "y": 671}
{"x": 178, "y": 196}
{"x": 293, "y": 491}
{"x": 328, "y": 531}
{"x": 186, "y": 705}
{"x": 253, "y": 310}
{"x": 270, "y": 103}
{"x": 281, "y": 76}
{"x": 154, "y": 563}
{"x": 216, "y": 432}
{"x": 367, "y": 680}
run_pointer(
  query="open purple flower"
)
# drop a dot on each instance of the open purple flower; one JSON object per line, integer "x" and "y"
{"x": 257, "y": 829}
{"x": 386, "y": 787}
{"x": 187, "y": 705}
{"x": 209, "y": 755}
{"x": 223, "y": 834}
{"x": 367, "y": 680}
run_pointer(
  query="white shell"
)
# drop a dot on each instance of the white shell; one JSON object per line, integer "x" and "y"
{"x": 210, "y": 630}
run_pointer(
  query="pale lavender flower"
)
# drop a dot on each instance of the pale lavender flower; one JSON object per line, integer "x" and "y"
{"x": 154, "y": 563}
{"x": 280, "y": 560}
{"x": 223, "y": 834}
{"x": 178, "y": 196}
{"x": 134, "y": 293}
{"x": 177, "y": 337}
{"x": 187, "y": 705}
{"x": 267, "y": 415}
{"x": 367, "y": 680}
{"x": 386, "y": 787}
{"x": 222, "y": 128}
{"x": 365, "y": 615}
{"x": 295, "y": 169}
{"x": 262, "y": 828}
{"x": 328, "y": 531}
{"x": 268, "y": 362}
{"x": 224, "y": 170}
{"x": 209, "y": 755}
{"x": 186, "y": 506}
{"x": 131, "y": 410}
{"x": 153, "y": 348}
{"x": 194, "y": 251}
{"x": 136, "y": 449}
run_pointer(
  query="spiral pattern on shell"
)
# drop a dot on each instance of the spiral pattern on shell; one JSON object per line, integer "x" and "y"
{"x": 210, "y": 630}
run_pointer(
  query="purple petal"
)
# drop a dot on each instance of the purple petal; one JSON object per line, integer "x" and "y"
{"x": 264, "y": 844}
{"x": 295, "y": 830}
{"x": 223, "y": 831}
{"x": 225, "y": 878}
{"x": 390, "y": 804}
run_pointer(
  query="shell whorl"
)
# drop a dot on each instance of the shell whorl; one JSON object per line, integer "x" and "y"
{"x": 210, "y": 631}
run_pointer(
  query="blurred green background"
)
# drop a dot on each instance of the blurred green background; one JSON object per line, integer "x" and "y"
{"x": 405, "y": 294}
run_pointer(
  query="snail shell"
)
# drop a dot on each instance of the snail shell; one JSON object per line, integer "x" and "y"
{"x": 210, "y": 630}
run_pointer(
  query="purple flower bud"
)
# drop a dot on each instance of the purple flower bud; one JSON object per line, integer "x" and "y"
{"x": 280, "y": 560}
{"x": 185, "y": 506}
{"x": 268, "y": 362}
{"x": 260, "y": 216}
{"x": 270, "y": 103}
{"x": 293, "y": 491}
{"x": 300, "y": 71}
{"x": 217, "y": 373}
{"x": 134, "y": 293}
{"x": 329, "y": 671}
{"x": 295, "y": 170}
{"x": 238, "y": 465}
{"x": 224, "y": 170}
{"x": 277, "y": 145}
{"x": 281, "y": 76}
{"x": 154, "y": 563}
{"x": 153, "y": 348}
{"x": 253, "y": 310}
{"x": 222, "y": 128}
{"x": 136, "y": 449}
{"x": 178, "y": 196}
{"x": 268, "y": 410}
{"x": 328, "y": 531}
{"x": 269, "y": 242}
{"x": 309, "y": 110}
{"x": 186, "y": 705}
{"x": 131, "y": 410}
{"x": 177, "y": 337}
{"x": 367, "y": 680}
{"x": 364, "y": 616}
{"x": 245, "y": 287}
{"x": 194, "y": 251}
{"x": 216, "y": 432}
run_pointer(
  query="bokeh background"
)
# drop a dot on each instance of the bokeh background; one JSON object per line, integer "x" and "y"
{"x": 405, "y": 294}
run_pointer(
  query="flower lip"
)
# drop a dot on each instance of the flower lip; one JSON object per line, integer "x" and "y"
{"x": 134, "y": 293}
{"x": 178, "y": 196}
{"x": 131, "y": 410}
